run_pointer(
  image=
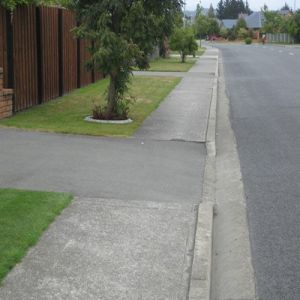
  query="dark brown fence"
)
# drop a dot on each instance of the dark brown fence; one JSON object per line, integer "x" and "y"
{"x": 49, "y": 53}
{"x": 3, "y": 49}
{"x": 40, "y": 56}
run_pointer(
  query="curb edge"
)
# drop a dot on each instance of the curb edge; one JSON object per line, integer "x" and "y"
{"x": 200, "y": 286}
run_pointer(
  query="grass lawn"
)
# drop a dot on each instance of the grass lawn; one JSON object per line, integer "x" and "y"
{"x": 66, "y": 114}
{"x": 172, "y": 64}
{"x": 24, "y": 215}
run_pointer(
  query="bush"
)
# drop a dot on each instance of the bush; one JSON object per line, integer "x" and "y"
{"x": 248, "y": 41}
{"x": 231, "y": 35}
{"x": 243, "y": 33}
{"x": 224, "y": 33}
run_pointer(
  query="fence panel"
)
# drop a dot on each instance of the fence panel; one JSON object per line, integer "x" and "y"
{"x": 280, "y": 38}
{"x": 49, "y": 48}
{"x": 25, "y": 57}
{"x": 86, "y": 77}
{"x": 3, "y": 46}
{"x": 69, "y": 52}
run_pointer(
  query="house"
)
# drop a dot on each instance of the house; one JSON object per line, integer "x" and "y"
{"x": 255, "y": 22}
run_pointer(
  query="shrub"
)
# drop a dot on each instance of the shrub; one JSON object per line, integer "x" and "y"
{"x": 224, "y": 33}
{"x": 243, "y": 33}
{"x": 248, "y": 41}
{"x": 231, "y": 35}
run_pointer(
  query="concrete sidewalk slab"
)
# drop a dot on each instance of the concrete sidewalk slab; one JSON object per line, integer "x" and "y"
{"x": 127, "y": 169}
{"x": 184, "y": 114}
{"x": 109, "y": 249}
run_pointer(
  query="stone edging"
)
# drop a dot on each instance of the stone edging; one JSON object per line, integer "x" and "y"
{"x": 120, "y": 122}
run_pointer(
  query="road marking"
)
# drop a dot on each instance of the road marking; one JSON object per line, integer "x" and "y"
{"x": 280, "y": 51}
{"x": 291, "y": 53}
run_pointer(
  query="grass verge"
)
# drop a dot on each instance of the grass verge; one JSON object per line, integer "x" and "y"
{"x": 24, "y": 215}
{"x": 172, "y": 64}
{"x": 66, "y": 114}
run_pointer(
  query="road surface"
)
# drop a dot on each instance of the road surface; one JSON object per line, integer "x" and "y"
{"x": 263, "y": 85}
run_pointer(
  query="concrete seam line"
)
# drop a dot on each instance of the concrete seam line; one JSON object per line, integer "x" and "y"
{"x": 200, "y": 286}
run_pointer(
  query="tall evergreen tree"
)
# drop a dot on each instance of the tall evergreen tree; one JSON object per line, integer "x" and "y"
{"x": 231, "y": 9}
{"x": 211, "y": 12}
{"x": 220, "y": 10}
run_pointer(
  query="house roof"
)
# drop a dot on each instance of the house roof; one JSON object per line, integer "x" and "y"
{"x": 229, "y": 23}
{"x": 255, "y": 20}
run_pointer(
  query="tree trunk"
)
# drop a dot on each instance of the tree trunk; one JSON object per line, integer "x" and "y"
{"x": 112, "y": 97}
{"x": 182, "y": 57}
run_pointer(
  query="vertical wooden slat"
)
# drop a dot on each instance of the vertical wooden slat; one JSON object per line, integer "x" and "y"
{"x": 49, "y": 48}
{"x": 69, "y": 45}
{"x": 86, "y": 77}
{"x": 25, "y": 57}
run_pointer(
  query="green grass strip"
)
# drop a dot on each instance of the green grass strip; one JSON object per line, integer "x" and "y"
{"x": 24, "y": 215}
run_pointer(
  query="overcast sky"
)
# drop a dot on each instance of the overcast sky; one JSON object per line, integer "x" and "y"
{"x": 254, "y": 4}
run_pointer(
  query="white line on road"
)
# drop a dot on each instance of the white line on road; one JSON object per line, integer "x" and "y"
{"x": 291, "y": 53}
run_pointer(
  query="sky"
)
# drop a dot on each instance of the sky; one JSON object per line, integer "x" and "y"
{"x": 255, "y": 5}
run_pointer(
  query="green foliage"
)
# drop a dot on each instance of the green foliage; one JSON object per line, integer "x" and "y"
{"x": 224, "y": 32}
{"x": 294, "y": 26}
{"x": 213, "y": 27}
{"x": 183, "y": 40}
{"x": 201, "y": 26}
{"x": 274, "y": 22}
{"x": 204, "y": 26}
{"x": 230, "y": 9}
{"x": 241, "y": 23}
{"x": 248, "y": 41}
{"x": 211, "y": 12}
{"x": 232, "y": 34}
{"x": 124, "y": 34}
{"x": 242, "y": 33}
{"x": 12, "y": 4}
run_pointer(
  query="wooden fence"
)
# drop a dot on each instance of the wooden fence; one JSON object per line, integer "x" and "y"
{"x": 40, "y": 56}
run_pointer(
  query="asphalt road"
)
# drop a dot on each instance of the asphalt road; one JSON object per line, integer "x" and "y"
{"x": 263, "y": 85}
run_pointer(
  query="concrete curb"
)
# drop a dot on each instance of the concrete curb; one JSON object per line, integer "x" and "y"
{"x": 200, "y": 287}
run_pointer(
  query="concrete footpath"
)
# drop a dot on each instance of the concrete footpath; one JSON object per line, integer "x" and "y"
{"x": 130, "y": 231}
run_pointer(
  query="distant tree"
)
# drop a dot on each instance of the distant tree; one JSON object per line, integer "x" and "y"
{"x": 199, "y": 10}
{"x": 241, "y": 23}
{"x": 213, "y": 27}
{"x": 294, "y": 26}
{"x": 274, "y": 22}
{"x": 211, "y": 12}
{"x": 220, "y": 10}
{"x": 231, "y": 9}
{"x": 183, "y": 40}
{"x": 201, "y": 25}
{"x": 247, "y": 8}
